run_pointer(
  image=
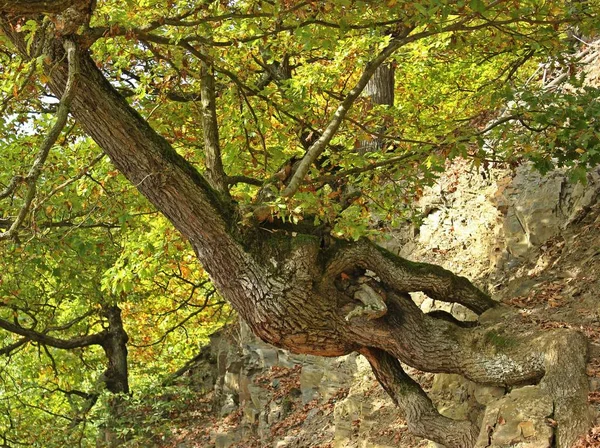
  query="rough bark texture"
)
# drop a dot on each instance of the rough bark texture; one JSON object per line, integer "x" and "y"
{"x": 38, "y": 6}
{"x": 321, "y": 143}
{"x": 116, "y": 376}
{"x": 380, "y": 88}
{"x": 215, "y": 174}
{"x": 296, "y": 294}
{"x": 435, "y": 345}
{"x": 379, "y": 91}
{"x": 407, "y": 276}
{"x": 565, "y": 356}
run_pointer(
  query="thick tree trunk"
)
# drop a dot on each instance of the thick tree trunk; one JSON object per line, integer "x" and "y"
{"x": 115, "y": 377}
{"x": 565, "y": 380}
{"x": 166, "y": 179}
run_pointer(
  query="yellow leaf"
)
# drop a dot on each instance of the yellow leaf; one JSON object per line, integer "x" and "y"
{"x": 185, "y": 271}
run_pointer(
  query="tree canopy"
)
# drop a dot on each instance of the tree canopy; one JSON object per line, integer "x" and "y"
{"x": 264, "y": 144}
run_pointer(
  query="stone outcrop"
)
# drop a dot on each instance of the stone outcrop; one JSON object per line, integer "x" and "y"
{"x": 520, "y": 419}
{"x": 537, "y": 208}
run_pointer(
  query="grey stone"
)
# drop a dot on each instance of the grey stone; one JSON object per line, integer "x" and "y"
{"x": 313, "y": 413}
{"x": 487, "y": 394}
{"x": 268, "y": 357}
{"x": 251, "y": 414}
{"x": 258, "y": 395}
{"x": 244, "y": 384}
{"x": 225, "y": 440}
{"x": 342, "y": 436}
{"x": 539, "y": 206}
{"x": 456, "y": 411}
{"x": 518, "y": 419}
{"x": 463, "y": 313}
{"x": 286, "y": 442}
{"x": 370, "y": 444}
{"x": 310, "y": 381}
{"x": 228, "y": 406}
{"x": 351, "y": 408}
{"x": 232, "y": 381}
{"x": 274, "y": 412}
{"x": 327, "y": 391}
{"x": 452, "y": 386}
{"x": 285, "y": 359}
{"x": 427, "y": 305}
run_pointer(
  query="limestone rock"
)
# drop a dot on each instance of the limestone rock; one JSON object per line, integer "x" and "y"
{"x": 456, "y": 411}
{"x": 452, "y": 386}
{"x": 310, "y": 381}
{"x": 229, "y": 405}
{"x": 225, "y": 440}
{"x": 487, "y": 394}
{"x": 268, "y": 357}
{"x": 288, "y": 441}
{"x": 539, "y": 206}
{"x": 518, "y": 420}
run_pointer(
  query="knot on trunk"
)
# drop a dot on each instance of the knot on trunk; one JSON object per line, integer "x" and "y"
{"x": 373, "y": 304}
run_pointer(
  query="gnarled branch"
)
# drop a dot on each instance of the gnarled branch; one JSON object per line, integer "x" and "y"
{"x": 373, "y": 304}
{"x": 215, "y": 174}
{"x": 7, "y": 350}
{"x": 319, "y": 146}
{"x": 36, "y": 336}
{"x": 406, "y": 276}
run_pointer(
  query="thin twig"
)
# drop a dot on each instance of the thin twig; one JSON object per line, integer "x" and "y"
{"x": 42, "y": 155}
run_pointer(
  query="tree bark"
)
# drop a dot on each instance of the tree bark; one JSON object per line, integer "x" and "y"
{"x": 284, "y": 286}
{"x": 565, "y": 379}
{"x": 215, "y": 174}
{"x": 116, "y": 377}
{"x": 39, "y": 6}
{"x": 379, "y": 91}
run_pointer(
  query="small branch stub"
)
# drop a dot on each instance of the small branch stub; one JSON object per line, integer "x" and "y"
{"x": 373, "y": 304}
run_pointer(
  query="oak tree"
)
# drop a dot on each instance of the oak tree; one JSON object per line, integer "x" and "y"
{"x": 278, "y": 137}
